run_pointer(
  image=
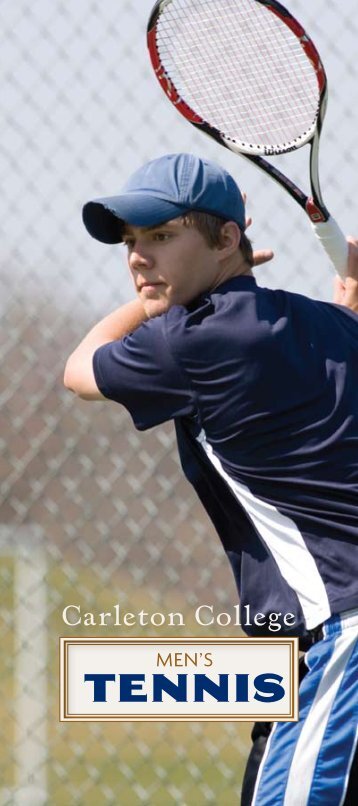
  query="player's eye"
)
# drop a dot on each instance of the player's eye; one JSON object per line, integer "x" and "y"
{"x": 161, "y": 236}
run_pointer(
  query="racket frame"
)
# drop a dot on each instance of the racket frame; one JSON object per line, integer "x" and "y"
{"x": 313, "y": 205}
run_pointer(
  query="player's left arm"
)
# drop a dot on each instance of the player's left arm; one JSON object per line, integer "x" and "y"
{"x": 79, "y": 376}
{"x": 346, "y": 292}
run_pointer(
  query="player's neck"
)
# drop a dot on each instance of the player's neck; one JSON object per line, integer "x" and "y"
{"x": 235, "y": 266}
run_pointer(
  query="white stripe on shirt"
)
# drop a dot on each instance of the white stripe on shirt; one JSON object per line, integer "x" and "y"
{"x": 285, "y": 542}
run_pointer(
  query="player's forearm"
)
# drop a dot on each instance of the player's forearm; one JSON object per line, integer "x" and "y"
{"x": 346, "y": 292}
{"x": 115, "y": 326}
{"x": 351, "y": 294}
{"x": 78, "y": 375}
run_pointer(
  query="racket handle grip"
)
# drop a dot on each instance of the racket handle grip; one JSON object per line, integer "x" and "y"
{"x": 335, "y": 244}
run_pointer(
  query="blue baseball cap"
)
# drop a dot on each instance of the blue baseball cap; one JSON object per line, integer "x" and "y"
{"x": 164, "y": 189}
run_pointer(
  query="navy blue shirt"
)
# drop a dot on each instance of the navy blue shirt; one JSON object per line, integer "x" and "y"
{"x": 263, "y": 388}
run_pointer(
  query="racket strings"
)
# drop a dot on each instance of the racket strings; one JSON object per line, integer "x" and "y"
{"x": 240, "y": 68}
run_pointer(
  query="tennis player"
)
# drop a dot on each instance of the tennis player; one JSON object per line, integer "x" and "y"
{"x": 263, "y": 388}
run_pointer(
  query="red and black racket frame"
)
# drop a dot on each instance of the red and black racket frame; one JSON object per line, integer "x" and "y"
{"x": 313, "y": 205}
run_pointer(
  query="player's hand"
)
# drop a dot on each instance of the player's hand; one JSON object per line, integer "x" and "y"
{"x": 260, "y": 255}
{"x": 346, "y": 291}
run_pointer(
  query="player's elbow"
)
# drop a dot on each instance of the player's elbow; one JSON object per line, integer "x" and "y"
{"x": 72, "y": 378}
{"x": 79, "y": 379}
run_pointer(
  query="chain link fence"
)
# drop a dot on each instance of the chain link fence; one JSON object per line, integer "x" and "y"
{"x": 93, "y": 513}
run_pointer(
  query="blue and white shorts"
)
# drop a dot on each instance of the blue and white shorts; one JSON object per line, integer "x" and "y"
{"x": 307, "y": 763}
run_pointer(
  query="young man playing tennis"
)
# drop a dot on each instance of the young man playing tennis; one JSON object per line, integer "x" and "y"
{"x": 263, "y": 388}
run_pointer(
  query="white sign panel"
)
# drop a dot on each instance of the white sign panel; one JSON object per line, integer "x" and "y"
{"x": 178, "y": 679}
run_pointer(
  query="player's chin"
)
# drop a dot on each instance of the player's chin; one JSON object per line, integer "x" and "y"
{"x": 155, "y": 307}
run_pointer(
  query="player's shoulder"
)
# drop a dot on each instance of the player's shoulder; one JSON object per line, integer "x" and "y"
{"x": 242, "y": 311}
{"x": 324, "y": 309}
{"x": 228, "y": 314}
{"x": 162, "y": 334}
{"x": 237, "y": 306}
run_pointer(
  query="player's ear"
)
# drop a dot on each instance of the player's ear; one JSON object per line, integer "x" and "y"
{"x": 229, "y": 239}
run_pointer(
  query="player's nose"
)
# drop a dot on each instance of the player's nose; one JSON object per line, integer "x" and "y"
{"x": 140, "y": 259}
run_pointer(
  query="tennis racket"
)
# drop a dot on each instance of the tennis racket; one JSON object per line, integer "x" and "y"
{"x": 246, "y": 73}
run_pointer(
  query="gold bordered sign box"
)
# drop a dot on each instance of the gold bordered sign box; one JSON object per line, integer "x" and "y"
{"x": 178, "y": 679}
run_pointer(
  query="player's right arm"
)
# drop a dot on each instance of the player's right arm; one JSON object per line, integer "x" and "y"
{"x": 346, "y": 292}
{"x": 79, "y": 375}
